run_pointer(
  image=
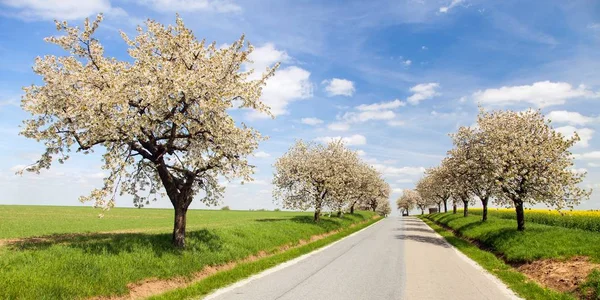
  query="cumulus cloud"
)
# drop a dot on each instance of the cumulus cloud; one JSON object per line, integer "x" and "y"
{"x": 61, "y": 10}
{"x": 393, "y": 171}
{"x": 381, "y": 105}
{"x": 338, "y": 126}
{"x": 568, "y": 117}
{"x": 585, "y": 134}
{"x": 221, "y": 6}
{"x": 360, "y": 117}
{"x": 361, "y": 152}
{"x": 288, "y": 85}
{"x": 454, "y": 3}
{"x": 422, "y": 92}
{"x": 540, "y": 94}
{"x": 337, "y": 86}
{"x": 396, "y": 123}
{"x": 311, "y": 121}
{"x": 352, "y": 140}
{"x": 262, "y": 154}
{"x": 588, "y": 155}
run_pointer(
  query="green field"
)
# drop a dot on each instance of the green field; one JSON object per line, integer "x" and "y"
{"x": 83, "y": 256}
{"x": 538, "y": 241}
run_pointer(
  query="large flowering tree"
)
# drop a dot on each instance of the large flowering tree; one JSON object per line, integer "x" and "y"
{"x": 160, "y": 117}
{"x": 529, "y": 161}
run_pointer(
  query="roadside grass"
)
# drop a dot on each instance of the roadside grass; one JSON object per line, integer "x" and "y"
{"x": 536, "y": 242}
{"x": 19, "y": 221}
{"x": 244, "y": 270}
{"x": 102, "y": 264}
{"x": 516, "y": 281}
{"x": 576, "y": 219}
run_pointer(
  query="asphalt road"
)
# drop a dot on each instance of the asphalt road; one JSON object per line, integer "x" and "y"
{"x": 396, "y": 258}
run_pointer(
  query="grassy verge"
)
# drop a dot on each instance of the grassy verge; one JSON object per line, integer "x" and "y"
{"x": 515, "y": 280}
{"x": 103, "y": 264}
{"x": 536, "y": 242}
{"x": 245, "y": 270}
{"x": 576, "y": 219}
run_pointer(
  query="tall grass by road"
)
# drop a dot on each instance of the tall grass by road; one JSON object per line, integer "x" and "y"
{"x": 577, "y": 219}
{"x": 84, "y": 259}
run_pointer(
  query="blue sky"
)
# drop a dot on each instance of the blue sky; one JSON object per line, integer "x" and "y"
{"x": 393, "y": 78}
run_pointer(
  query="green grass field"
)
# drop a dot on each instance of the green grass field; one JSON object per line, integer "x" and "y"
{"x": 83, "y": 256}
{"x": 538, "y": 241}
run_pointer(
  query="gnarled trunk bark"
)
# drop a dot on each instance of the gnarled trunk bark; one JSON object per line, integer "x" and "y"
{"x": 484, "y": 216}
{"x": 446, "y": 205}
{"x": 178, "y": 239}
{"x": 520, "y": 215}
{"x": 317, "y": 215}
{"x": 466, "y": 210}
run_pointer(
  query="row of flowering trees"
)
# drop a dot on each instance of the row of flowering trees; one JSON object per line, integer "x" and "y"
{"x": 510, "y": 158}
{"x": 317, "y": 176}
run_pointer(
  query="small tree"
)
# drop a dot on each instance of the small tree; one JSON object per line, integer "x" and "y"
{"x": 384, "y": 208}
{"x": 161, "y": 117}
{"x": 311, "y": 175}
{"x": 405, "y": 205}
{"x": 530, "y": 161}
{"x": 412, "y": 196}
{"x": 470, "y": 164}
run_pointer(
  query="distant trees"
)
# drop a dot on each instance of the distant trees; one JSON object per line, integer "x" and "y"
{"x": 412, "y": 197}
{"x": 511, "y": 158}
{"x": 317, "y": 176}
{"x": 405, "y": 205}
{"x": 160, "y": 117}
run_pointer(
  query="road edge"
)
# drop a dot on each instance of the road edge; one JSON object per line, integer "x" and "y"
{"x": 501, "y": 285}
{"x": 282, "y": 266}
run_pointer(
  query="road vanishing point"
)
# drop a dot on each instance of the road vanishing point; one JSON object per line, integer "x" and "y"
{"x": 396, "y": 258}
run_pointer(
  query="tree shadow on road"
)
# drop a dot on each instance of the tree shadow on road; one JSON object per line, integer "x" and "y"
{"x": 417, "y": 229}
{"x": 424, "y": 239}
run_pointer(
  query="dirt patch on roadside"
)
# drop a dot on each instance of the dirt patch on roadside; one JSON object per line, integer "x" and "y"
{"x": 154, "y": 286}
{"x": 564, "y": 276}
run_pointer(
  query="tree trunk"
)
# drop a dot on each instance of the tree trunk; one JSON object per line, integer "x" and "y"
{"x": 317, "y": 215}
{"x": 179, "y": 228}
{"x": 520, "y": 215}
{"x": 439, "y": 207}
{"x": 422, "y": 211}
{"x": 446, "y": 205}
{"x": 352, "y": 208}
{"x": 466, "y": 210}
{"x": 484, "y": 201}
{"x": 339, "y": 213}
{"x": 454, "y": 208}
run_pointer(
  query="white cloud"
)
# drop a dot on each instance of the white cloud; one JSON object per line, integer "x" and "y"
{"x": 311, "y": 121}
{"x": 221, "y": 6}
{"x": 424, "y": 48}
{"x": 594, "y": 165}
{"x": 588, "y": 155}
{"x": 393, "y": 171}
{"x": 258, "y": 182}
{"x": 352, "y": 140}
{"x": 540, "y": 94}
{"x": 594, "y": 26}
{"x": 407, "y": 62}
{"x": 365, "y": 116}
{"x": 380, "y": 106}
{"x": 445, "y": 9}
{"x": 337, "y": 86}
{"x": 61, "y": 10}
{"x": 404, "y": 180}
{"x": 422, "y": 92}
{"x": 262, "y": 154}
{"x": 396, "y": 123}
{"x": 585, "y": 134}
{"x": 361, "y": 152}
{"x": 397, "y": 191}
{"x": 287, "y": 85}
{"x": 568, "y": 117}
{"x": 579, "y": 170}
{"x": 338, "y": 126}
